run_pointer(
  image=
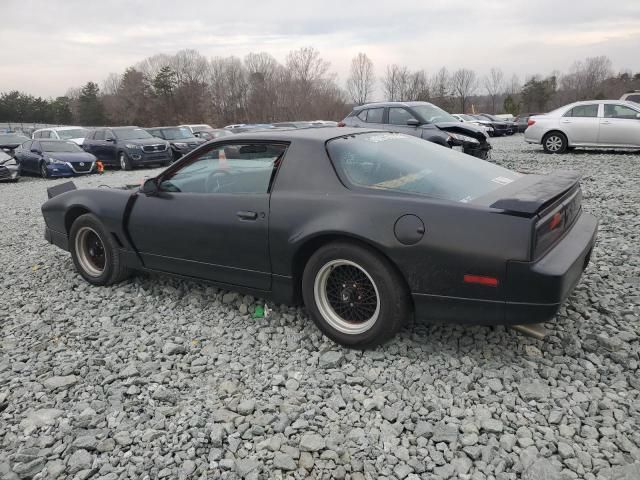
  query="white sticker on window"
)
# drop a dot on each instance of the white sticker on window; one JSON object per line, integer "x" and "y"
{"x": 502, "y": 180}
{"x": 383, "y": 137}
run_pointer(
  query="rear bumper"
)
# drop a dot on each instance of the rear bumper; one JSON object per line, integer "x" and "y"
{"x": 534, "y": 290}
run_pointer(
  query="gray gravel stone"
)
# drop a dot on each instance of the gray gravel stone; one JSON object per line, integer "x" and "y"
{"x": 330, "y": 359}
{"x": 284, "y": 462}
{"x": 311, "y": 442}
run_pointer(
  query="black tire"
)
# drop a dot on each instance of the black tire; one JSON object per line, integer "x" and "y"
{"x": 374, "y": 275}
{"x": 44, "y": 172}
{"x": 124, "y": 161}
{"x": 82, "y": 232}
{"x": 555, "y": 142}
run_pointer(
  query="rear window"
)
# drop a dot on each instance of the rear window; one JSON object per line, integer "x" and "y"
{"x": 403, "y": 163}
{"x": 590, "y": 111}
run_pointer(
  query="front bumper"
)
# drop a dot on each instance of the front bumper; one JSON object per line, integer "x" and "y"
{"x": 477, "y": 150}
{"x": 9, "y": 174}
{"x": 139, "y": 157}
{"x": 69, "y": 169}
{"x": 534, "y": 290}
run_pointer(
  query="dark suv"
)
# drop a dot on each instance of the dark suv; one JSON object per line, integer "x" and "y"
{"x": 424, "y": 120}
{"x": 180, "y": 139}
{"x": 128, "y": 147}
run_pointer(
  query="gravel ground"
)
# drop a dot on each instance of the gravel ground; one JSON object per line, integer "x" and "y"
{"x": 160, "y": 378}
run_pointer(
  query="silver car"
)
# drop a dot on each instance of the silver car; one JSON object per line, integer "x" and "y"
{"x": 596, "y": 123}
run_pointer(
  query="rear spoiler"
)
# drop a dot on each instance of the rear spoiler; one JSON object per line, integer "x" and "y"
{"x": 532, "y": 193}
{"x": 60, "y": 189}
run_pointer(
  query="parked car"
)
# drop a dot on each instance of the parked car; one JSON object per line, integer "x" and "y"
{"x": 75, "y": 134}
{"x": 292, "y": 124}
{"x": 424, "y": 120}
{"x": 522, "y": 121}
{"x": 195, "y": 128}
{"x": 9, "y": 168}
{"x": 484, "y": 126}
{"x": 500, "y": 127}
{"x": 633, "y": 96}
{"x": 127, "y": 147}
{"x": 596, "y": 123}
{"x": 54, "y": 158}
{"x": 212, "y": 134}
{"x": 10, "y": 141}
{"x": 180, "y": 139}
{"x": 367, "y": 228}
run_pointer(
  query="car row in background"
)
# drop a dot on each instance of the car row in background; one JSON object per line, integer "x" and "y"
{"x": 75, "y": 134}
{"x": 595, "y": 123}
{"x": 181, "y": 139}
{"x": 423, "y": 120}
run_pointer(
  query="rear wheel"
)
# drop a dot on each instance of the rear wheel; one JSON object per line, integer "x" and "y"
{"x": 94, "y": 252}
{"x": 554, "y": 142}
{"x": 125, "y": 163}
{"x": 354, "y": 295}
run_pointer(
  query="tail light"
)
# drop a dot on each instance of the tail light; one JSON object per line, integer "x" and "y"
{"x": 553, "y": 225}
{"x": 342, "y": 124}
{"x": 530, "y": 122}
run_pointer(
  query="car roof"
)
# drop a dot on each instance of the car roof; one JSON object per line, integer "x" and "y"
{"x": 391, "y": 104}
{"x": 59, "y": 128}
{"x": 607, "y": 102}
{"x": 292, "y": 134}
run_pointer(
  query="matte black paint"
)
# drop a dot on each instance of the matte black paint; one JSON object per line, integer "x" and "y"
{"x": 204, "y": 237}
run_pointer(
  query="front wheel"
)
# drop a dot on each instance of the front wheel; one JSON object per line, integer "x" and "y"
{"x": 125, "y": 163}
{"x": 354, "y": 295}
{"x": 555, "y": 142}
{"x": 44, "y": 171}
{"x": 94, "y": 252}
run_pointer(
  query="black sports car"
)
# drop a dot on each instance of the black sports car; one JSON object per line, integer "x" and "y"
{"x": 366, "y": 227}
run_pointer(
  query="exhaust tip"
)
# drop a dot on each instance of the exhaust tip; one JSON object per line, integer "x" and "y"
{"x": 533, "y": 330}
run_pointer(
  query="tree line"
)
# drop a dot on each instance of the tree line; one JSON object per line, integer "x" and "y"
{"x": 188, "y": 87}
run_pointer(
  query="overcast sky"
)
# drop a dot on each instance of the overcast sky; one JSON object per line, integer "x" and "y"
{"x": 47, "y": 46}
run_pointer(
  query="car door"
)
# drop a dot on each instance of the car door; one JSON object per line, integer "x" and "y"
{"x": 210, "y": 218}
{"x": 620, "y": 126}
{"x": 110, "y": 147}
{"x": 397, "y": 118}
{"x": 581, "y": 124}
{"x": 32, "y": 156}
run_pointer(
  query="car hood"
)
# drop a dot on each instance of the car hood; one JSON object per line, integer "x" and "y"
{"x": 72, "y": 157}
{"x": 144, "y": 141}
{"x": 188, "y": 140}
{"x": 464, "y": 129}
{"x": 79, "y": 141}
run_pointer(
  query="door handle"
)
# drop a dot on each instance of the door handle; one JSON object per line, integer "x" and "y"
{"x": 247, "y": 215}
{"x": 606, "y": 122}
{"x": 565, "y": 121}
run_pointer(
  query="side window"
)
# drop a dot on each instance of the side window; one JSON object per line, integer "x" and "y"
{"x": 620, "y": 111}
{"x": 363, "y": 115}
{"x": 45, "y": 134}
{"x": 155, "y": 133}
{"x": 26, "y": 146}
{"x": 374, "y": 115}
{"x": 108, "y": 135}
{"x": 399, "y": 116}
{"x": 99, "y": 135}
{"x": 231, "y": 168}
{"x": 634, "y": 98}
{"x": 37, "y": 134}
{"x": 583, "y": 111}
{"x": 35, "y": 146}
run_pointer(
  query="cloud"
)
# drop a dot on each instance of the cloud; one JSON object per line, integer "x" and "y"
{"x": 50, "y": 45}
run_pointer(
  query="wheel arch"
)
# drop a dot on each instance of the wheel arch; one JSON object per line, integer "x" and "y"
{"x": 309, "y": 246}
{"x": 72, "y": 214}
{"x": 555, "y": 130}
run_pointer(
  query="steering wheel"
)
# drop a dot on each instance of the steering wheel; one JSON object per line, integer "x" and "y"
{"x": 214, "y": 181}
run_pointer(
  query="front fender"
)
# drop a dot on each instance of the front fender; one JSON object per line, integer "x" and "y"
{"x": 110, "y": 205}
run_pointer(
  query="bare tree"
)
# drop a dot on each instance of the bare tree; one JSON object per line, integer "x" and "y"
{"x": 418, "y": 87}
{"x": 441, "y": 88}
{"x": 305, "y": 65}
{"x": 361, "y": 80}
{"x": 395, "y": 82}
{"x": 494, "y": 85}
{"x": 464, "y": 85}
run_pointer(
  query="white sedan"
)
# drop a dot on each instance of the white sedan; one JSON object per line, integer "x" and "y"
{"x": 596, "y": 123}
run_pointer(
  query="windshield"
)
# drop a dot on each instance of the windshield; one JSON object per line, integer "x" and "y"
{"x": 433, "y": 114}
{"x": 131, "y": 134}
{"x": 60, "y": 146}
{"x": 466, "y": 118}
{"x": 12, "y": 138}
{"x": 176, "y": 133}
{"x": 403, "y": 163}
{"x": 75, "y": 133}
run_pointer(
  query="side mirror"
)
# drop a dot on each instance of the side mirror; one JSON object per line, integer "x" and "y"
{"x": 110, "y": 140}
{"x": 638, "y": 116}
{"x": 36, "y": 151}
{"x": 412, "y": 122}
{"x": 150, "y": 187}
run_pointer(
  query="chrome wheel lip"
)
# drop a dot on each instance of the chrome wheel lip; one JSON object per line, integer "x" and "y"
{"x": 83, "y": 254}
{"x": 327, "y": 311}
{"x": 553, "y": 143}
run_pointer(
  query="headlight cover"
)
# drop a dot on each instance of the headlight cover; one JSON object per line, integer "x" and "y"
{"x": 180, "y": 145}
{"x": 54, "y": 160}
{"x": 463, "y": 138}
{"x": 133, "y": 146}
